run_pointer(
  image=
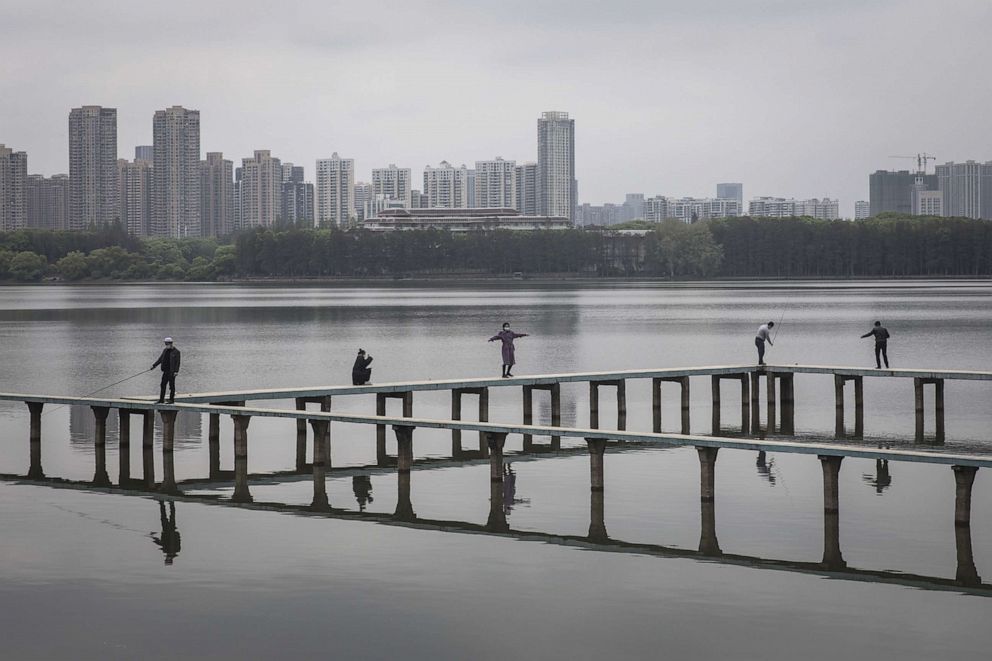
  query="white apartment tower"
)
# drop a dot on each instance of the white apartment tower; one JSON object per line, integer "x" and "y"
{"x": 526, "y": 176}
{"x": 496, "y": 184}
{"x": 216, "y": 195}
{"x": 393, "y": 183}
{"x": 862, "y": 209}
{"x": 556, "y": 185}
{"x": 135, "y": 196}
{"x": 176, "y": 173}
{"x": 13, "y": 188}
{"x": 446, "y": 187}
{"x": 335, "y": 191}
{"x": 261, "y": 190}
{"x": 93, "y": 189}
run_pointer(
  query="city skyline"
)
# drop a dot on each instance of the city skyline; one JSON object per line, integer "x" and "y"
{"x": 720, "y": 116}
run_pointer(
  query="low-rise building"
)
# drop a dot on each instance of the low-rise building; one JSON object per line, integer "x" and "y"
{"x": 462, "y": 220}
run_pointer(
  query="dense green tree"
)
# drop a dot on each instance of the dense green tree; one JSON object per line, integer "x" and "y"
{"x": 73, "y": 266}
{"x": 28, "y": 266}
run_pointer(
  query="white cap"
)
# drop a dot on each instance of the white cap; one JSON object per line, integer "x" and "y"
{"x": 168, "y": 340}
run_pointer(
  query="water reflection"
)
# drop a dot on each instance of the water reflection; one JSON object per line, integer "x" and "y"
{"x": 362, "y": 486}
{"x": 169, "y": 540}
{"x": 765, "y": 468}
{"x": 882, "y": 479}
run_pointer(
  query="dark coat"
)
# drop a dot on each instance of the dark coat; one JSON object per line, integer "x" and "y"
{"x": 881, "y": 334}
{"x": 169, "y": 360}
{"x": 360, "y": 371}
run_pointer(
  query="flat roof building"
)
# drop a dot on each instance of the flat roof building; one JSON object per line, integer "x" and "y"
{"x": 462, "y": 220}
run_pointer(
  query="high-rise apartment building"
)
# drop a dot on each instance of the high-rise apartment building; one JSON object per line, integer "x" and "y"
{"x": 144, "y": 153}
{"x": 134, "y": 185}
{"x": 527, "y": 200}
{"x": 297, "y": 203}
{"x": 13, "y": 188}
{"x": 363, "y": 194}
{"x": 862, "y": 210}
{"x": 967, "y": 189}
{"x": 47, "y": 201}
{"x": 419, "y": 200}
{"x": 92, "y": 166}
{"x": 335, "y": 191}
{"x": 928, "y": 203}
{"x": 557, "y": 188}
{"x": 893, "y": 191}
{"x": 217, "y": 214}
{"x": 176, "y": 173}
{"x": 446, "y": 186}
{"x": 393, "y": 183}
{"x": 495, "y": 184}
{"x": 632, "y": 207}
{"x": 261, "y": 190}
{"x": 731, "y": 191}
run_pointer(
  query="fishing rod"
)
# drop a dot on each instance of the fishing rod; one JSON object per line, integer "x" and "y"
{"x": 778, "y": 325}
{"x": 134, "y": 376}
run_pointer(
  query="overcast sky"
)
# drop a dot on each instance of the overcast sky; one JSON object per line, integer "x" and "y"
{"x": 795, "y": 98}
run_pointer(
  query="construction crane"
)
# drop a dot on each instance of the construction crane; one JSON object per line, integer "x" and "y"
{"x": 921, "y": 161}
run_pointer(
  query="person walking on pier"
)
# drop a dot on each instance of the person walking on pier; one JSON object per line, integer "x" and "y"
{"x": 169, "y": 360}
{"x": 881, "y": 334}
{"x": 507, "y": 336}
{"x": 764, "y": 335}
{"x": 360, "y": 371}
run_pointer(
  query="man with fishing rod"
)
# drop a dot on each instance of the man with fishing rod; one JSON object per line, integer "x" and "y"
{"x": 763, "y": 335}
{"x": 169, "y": 360}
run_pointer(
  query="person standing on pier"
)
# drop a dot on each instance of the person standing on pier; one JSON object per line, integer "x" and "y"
{"x": 507, "y": 336}
{"x": 764, "y": 335}
{"x": 360, "y": 371}
{"x": 169, "y": 360}
{"x": 881, "y": 334}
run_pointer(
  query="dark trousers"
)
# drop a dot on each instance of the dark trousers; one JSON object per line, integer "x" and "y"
{"x": 881, "y": 349}
{"x": 168, "y": 379}
{"x": 758, "y": 342}
{"x": 361, "y": 377}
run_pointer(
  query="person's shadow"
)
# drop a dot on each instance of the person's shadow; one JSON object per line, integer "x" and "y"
{"x": 169, "y": 542}
{"x": 362, "y": 486}
{"x": 882, "y": 479}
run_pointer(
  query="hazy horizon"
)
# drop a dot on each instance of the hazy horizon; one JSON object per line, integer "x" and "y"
{"x": 794, "y": 98}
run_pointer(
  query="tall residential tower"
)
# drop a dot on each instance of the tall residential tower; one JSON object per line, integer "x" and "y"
{"x": 93, "y": 186}
{"x": 556, "y": 185}
{"x": 176, "y": 173}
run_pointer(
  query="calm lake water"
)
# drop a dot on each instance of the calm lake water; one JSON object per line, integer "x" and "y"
{"x": 86, "y": 574}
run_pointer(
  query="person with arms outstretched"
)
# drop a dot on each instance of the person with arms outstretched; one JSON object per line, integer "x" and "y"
{"x": 881, "y": 334}
{"x": 507, "y": 336}
{"x": 764, "y": 335}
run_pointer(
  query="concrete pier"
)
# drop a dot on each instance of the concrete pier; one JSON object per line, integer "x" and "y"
{"x": 833, "y": 559}
{"x": 964, "y": 479}
{"x": 707, "y": 473}
{"x": 597, "y": 452}
{"x": 938, "y": 387}
{"x": 621, "y": 386}
{"x": 382, "y": 458}
{"x": 456, "y": 414}
{"x": 34, "y": 471}
{"x": 966, "y": 572}
{"x": 213, "y": 443}
{"x": 528, "y": 405}
{"x": 778, "y": 419}
{"x": 404, "y": 505}
{"x": 597, "y": 516}
{"x": 404, "y": 448}
{"x": 123, "y": 446}
{"x": 743, "y": 377}
{"x": 241, "y": 491}
{"x": 656, "y": 382}
{"x": 321, "y": 452}
{"x": 708, "y": 543}
{"x": 148, "y": 466}
{"x": 100, "y": 476}
{"x": 840, "y": 428}
{"x": 168, "y": 452}
{"x": 497, "y": 514}
{"x": 301, "y": 428}
{"x": 830, "y": 464}
{"x": 495, "y": 442}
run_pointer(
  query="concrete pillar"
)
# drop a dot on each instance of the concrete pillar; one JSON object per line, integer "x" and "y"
{"x": 839, "y": 430}
{"x": 325, "y": 407}
{"x": 707, "y": 472}
{"x": 34, "y": 471}
{"x": 684, "y": 383}
{"x": 859, "y": 407}
{"x": 404, "y": 448}
{"x": 964, "y": 479}
{"x": 241, "y": 491}
{"x": 168, "y": 446}
{"x": 381, "y": 457}
{"x": 497, "y": 514}
{"x": 123, "y": 446}
{"x": 483, "y": 417}
{"x": 593, "y": 405}
{"x": 832, "y": 557}
{"x": 772, "y": 412}
{"x": 708, "y": 543}
{"x": 213, "y": 441}
{"x": 404, "y": 505}
{"x": 495, "y": 441}
{"x": 715, "y": 385}
{"x": 320, "y": 464}
{"x": 755, "y": 407}
{"x": 456, "y": 414}
{"x": 918, "y": 387}
{"x": 556, "y": 414}
{"x": 597, "y": 516}
{"x": 148, "y": 466}
{"x": 831, "y": 482}
{"x": 966, "y": 573}
{"x": 597, "y": 451}
{"x": 301, "y": 436}
{"x": 787, "y": 389}
{"x": 938, "y": 403}
{"x": 745, "y": 408}
{"x": 621, "y": 405}
{"x": 100, "y": 476}
{"x": 148, "y": 429}
{"x": 656, "y": 405}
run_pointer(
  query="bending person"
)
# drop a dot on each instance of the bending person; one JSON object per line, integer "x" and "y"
{"x": 881, "y": 334}
{"x": 360, "y": 371}
{"x": 764, "y": 335}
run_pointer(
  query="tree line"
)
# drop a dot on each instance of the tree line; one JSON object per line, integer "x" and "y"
{"x": 886, "y": 246}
